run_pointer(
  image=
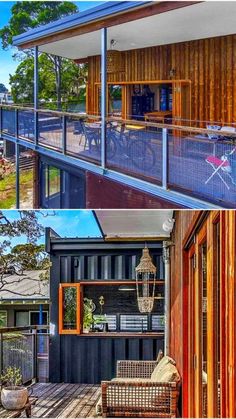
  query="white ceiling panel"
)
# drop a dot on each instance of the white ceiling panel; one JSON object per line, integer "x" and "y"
{"x": 133, "y": 223}
{"x": 203, "y": 20}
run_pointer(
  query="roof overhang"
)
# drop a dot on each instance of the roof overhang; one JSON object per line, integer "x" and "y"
{"x": 133, "y": 224}
{"x": 191, "y": 21}
{"x": 81, "y": 19}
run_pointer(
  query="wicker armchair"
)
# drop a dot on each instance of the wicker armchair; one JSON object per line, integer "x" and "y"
{"x": 139, "y": 397}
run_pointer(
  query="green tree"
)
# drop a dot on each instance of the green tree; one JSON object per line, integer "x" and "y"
{"x": 19, "y": 259}
{"x": 26, "y": 15}
{"x": 73, "y": 80}
{"x": 3, "y": 88}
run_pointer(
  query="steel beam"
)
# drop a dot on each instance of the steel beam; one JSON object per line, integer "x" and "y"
{"x": 103, "y": 95}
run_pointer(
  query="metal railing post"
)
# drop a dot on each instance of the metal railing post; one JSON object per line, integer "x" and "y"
{"x": 103, "y": 95}
{"x": 1, "y": 124}
{"x": 64, "y": 134}
{"x": 164, "y": 158}
{"x": 16, "y": 123}
{"x": 35, "y": 352}
{"x": 17, "y": 159}
{"x": 36, "y": 84}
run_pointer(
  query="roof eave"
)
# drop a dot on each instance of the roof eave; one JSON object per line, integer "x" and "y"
{"x": 79, "y": 19}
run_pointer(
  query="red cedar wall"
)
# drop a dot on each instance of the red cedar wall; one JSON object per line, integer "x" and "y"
{"x": 182, "y": 223}
{"x": 104, "y": 193}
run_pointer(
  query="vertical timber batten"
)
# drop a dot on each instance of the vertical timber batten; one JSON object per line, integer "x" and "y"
{"x": 103, "y": 94}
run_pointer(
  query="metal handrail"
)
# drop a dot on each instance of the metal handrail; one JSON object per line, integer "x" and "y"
{"x": 204, "y": 131}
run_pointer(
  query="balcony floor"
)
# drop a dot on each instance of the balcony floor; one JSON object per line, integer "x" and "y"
{"x": 63, "y": 400}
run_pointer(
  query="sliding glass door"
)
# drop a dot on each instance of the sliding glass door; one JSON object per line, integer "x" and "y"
{"x": 204, "y": 320}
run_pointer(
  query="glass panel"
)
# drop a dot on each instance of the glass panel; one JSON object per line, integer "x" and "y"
{"x": 69, "y": 308}
{"x": 22, "y": 318}
{"x": 54, "y": 180}
{"x": 26, "y": 124}
{"x": 204, "y": 327}
{"x": 115, "y": 100}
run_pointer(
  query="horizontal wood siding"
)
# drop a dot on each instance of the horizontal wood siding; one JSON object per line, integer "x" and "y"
{"x": 210, "y": 65}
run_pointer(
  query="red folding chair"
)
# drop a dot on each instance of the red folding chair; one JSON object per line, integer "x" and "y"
{"x": 221, "y": 164}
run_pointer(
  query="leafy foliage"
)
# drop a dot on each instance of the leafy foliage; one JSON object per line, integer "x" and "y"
{"x": 27, "y": 15}
{"x": 11, "y": 377}
{"x": 3, "y": 88}
{"x": 58, "y": 77}
{"x": 19, "y": 259}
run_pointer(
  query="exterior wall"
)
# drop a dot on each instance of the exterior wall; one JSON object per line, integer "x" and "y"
{"x": 11, "y": 310}
{"x": 209, "y": 64}
{"x": 90, "y": 359}
{"x": 103, "y": 193}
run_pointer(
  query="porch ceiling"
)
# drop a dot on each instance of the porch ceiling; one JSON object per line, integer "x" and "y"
{"x": 197, "y": 21}
{"x": 117, "y": 224}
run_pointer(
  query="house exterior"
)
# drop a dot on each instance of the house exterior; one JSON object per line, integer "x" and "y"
{"x": 195, "y": 275}
{"x": 160, "y": 144}
{"x": 24, "y": 300}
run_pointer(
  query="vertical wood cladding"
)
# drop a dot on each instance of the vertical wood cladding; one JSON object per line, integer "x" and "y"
{"x": 210, "y": 65}
{"x": 183, "y": 220}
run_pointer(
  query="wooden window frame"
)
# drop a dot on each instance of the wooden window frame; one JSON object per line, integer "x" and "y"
{"x": 79, "y": 306}
{"x": 77, "y": 330}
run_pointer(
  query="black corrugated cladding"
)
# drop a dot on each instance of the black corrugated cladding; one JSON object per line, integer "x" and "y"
{"x": 87, "y": 359}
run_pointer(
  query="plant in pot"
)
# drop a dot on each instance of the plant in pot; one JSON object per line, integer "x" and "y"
{"x": 14, "y": 396}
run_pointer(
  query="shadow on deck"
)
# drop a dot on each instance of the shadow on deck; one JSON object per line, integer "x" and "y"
{"x": 63, "y": 400}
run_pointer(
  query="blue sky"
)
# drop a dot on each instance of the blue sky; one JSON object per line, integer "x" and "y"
{"x": 67, "y": 223}
{"x": 7, "y": 64}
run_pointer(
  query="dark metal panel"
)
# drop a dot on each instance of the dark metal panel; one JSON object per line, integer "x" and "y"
{"x": 55, "y": 347}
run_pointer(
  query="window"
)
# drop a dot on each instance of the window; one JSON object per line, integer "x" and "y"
{"x": 69, "y": 309}
{"x": 3, "y": 318}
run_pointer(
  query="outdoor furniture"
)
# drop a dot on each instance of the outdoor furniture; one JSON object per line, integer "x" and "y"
{"x": 137, "y": 392}
{"x": 223, "y": 164}
{"x": 157, "y": 116}
{"x": 17, "y": 413}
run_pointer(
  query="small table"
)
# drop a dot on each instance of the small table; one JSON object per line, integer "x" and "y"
{"x": 157, "y": 116}
{"x": 27, "y": 409}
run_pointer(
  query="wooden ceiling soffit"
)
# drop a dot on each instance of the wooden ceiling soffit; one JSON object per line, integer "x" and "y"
{"x": 117, "y": 19}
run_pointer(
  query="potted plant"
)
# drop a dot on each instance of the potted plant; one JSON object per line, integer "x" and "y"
{"x": 13, "y": 395}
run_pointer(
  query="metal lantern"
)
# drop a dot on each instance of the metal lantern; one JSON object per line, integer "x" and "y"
{"x": 145, "y": 282}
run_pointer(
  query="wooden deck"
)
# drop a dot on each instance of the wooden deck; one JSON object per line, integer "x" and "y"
{"x": 63, "y": 401}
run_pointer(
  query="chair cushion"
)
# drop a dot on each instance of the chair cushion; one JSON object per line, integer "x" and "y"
{"x": 169, "y": 374}
{"x": 161, "y": 365}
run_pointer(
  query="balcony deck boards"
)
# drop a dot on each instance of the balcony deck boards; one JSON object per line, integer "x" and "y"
{"x": 63, "y": 400}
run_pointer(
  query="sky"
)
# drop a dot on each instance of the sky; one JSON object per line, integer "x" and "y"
{"x": 66, "y": 223}
{"x": 7, "y": 64}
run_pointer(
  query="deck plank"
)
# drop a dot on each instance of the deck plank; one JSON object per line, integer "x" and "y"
{"x": 63, "y": 400}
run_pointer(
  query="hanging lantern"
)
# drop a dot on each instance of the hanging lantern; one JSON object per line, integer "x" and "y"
{"x": 145, "y": 282}
{"x": 115, "y": 63}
